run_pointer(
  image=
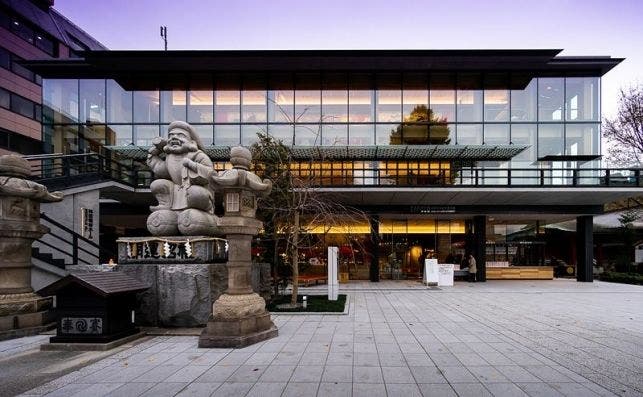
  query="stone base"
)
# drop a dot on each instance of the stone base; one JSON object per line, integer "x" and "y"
{"x": 62, "y": 346}
{"x": 24, "y": 314}
{"x": 237, "y": 333}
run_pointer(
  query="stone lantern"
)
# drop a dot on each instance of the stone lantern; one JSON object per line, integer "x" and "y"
{"x": 239, "y": 316}
{"x": 20, "y": 200}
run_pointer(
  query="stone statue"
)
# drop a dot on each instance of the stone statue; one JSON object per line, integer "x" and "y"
{"x": 20, "y": 225}
{"x": 185, "y": 200}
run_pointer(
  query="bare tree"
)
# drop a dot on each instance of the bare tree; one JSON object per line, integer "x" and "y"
{"x": 294, "y": 203}
{"x": 625, "y": 132}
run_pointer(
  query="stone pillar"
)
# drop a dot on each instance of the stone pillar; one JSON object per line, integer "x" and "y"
{"x": 20, "y": 200}
{"x": 374, "y": 271}
{"x": 239, "y": 316}
{"x": 480, "y": 246}
{"x": 585, "y": 248}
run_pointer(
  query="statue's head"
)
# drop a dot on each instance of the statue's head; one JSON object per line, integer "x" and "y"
{"x": 181, "y": 138}
{"x": 240, "y": 157}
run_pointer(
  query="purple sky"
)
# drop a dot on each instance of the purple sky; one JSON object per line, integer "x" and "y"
{"x": 580, "y": 27}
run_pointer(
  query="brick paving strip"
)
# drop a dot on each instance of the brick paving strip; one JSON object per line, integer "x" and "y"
{"x": 541, "y": 338}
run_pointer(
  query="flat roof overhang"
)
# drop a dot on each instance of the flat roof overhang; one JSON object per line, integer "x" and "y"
{"x": 480, "y": 196}
{"x": 145, "y": 69}
{"x": 364, "y": 153}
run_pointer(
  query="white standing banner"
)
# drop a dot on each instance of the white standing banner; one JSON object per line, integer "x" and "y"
{"x": 333, "y": 282}
{"x": 445, "y": 274}
{"x": 430, "y": 271}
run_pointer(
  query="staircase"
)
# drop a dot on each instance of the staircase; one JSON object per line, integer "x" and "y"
{"x": 48, "y": 258}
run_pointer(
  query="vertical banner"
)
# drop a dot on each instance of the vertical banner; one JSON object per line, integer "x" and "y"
{"x": 333, "y": 282}
{"x": 430, "y": 271}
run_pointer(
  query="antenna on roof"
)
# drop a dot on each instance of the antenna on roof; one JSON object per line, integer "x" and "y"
{"x": 164, "y": 35}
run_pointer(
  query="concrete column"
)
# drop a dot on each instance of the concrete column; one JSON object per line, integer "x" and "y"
{"x": 374, "y": 270}
{"x": 480, "y": 245}
{"x": 585, "y": 248}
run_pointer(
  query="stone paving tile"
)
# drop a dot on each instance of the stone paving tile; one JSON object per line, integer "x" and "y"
{"x": 337, "y": 373}
{"x": 335, "y": 389}
{"x": 487, "y": 374}
{"x": 436, "y": 390}
{"x": 366, "y": 360}
{"x": 277, "y": 373}
{"x": 228, "y": 389}
{"x": 187, "y": 373}
{"x": 301, "y": 390}
{"x": 369, "y": 390}
{"x": 247, "y": 374}
{"x": 198, "y": 390}
{"x": 403, "y": 390}
{"x": 307, "y": 373}
{"x": 164, "y": 389}
{"x": 217, "y": 373}
{"x": 367, "y": 375}
{"x": 505, "y": 390}
{"x": 132, "y": 389}
{"x": 458, "y": 375}
{"x": 471, "y": 390}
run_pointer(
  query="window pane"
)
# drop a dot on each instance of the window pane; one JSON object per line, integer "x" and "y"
{"x": 524, "y": 134}
{"x": 281, "y": 106}
{"x": 361, "y": 135}
{"x": 414, "y": 93}
{"x": 62, "y": 139}
{"x": 582, "y": 139}
{"x": 226, "y": 106}
{"x": 307, "y": 106}
{"x": 496, "y": 105}
{"x": 442, "y": 96}
{"x": 469, "y": 134}
{"x": 173, "y": 106}
{"x": 469, "y": 105}
{"x": 253, "y": 106}
{"x": 144, "y": 134}
{"x": 550, "y": 99}
{"x": 334, "y": 134}
{"x": 389, "y": 105}
{"x": 384, "y": 134}
{"x": 122, "y": 134}
{"x": 282, "y": 132}
{"x": 205, "y": 132}
{"x": 146, "y": 106}
{"x": 119, "y": 103}
{"x": 249, "y": 133}
{"x": 335, "y": 105}
{"x": 582, "y": 101}
{"x": 360, "y": 107}
{"x": 496, "y": 134}
{"x": 22, "y": 106}
{"x": 92, "y": 101}
{"x": 307, "y": 135}
{"x": 5, "y": 99}
{"x": 523, "y": 103}
{"x": 226, "y": 135}
{"x": 201, "y": 107}
{"x": 442, "y": 134}
{"x": 550, "y": 139}
{"x": 60, "y": 98}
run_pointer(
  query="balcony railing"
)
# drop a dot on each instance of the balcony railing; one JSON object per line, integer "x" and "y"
{"x": 64, "y": 171}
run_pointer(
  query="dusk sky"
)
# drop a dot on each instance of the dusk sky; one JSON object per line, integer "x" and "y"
{"x": 580, "y": 27}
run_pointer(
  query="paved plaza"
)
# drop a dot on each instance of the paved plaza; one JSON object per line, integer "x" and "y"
{"x": 500, "y": 338}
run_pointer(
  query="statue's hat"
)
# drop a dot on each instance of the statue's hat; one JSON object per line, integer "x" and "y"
{"x": 189, "y": 129}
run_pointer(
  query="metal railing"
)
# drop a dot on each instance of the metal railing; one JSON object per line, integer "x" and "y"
{"x": 59, "y": 171}
{"x": 71, "y": 245}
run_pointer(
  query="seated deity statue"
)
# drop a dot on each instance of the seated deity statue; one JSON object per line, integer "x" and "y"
{"x": 185, "y": 200}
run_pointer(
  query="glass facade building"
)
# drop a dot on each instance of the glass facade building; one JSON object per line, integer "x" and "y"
{"x": 448, "y": 152}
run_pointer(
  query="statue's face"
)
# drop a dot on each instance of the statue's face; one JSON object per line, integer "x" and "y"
{"x": 179, "y": 141}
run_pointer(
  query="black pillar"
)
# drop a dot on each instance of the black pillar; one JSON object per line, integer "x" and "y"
{"x": 374, "y": 271}
{"x": 480, "y": 245}
{"x": 585, "y": 248}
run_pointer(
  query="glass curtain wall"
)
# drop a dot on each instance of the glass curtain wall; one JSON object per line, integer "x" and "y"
{"x": 552, "y": 116}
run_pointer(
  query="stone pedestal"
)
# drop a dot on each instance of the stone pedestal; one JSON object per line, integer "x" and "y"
{"x": 239, "y": 317}
{"x": 21, "y": 311}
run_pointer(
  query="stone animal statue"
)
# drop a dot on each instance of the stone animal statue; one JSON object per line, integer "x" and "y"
{"x": 185, "y": 199}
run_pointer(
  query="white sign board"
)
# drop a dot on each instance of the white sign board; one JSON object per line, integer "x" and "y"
{"x": 333, "y": 282}
{"x": 430, "y": 271}
{"x": 445, "y": 274}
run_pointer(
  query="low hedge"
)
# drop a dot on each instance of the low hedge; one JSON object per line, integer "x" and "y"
{"x": 316, "y": 303}
{"x": 625, "y": 278}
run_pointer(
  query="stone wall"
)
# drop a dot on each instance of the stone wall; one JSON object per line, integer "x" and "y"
{"x": 181, "y": 295}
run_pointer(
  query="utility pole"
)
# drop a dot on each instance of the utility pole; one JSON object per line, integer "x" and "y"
{"x": 164, "y": 35}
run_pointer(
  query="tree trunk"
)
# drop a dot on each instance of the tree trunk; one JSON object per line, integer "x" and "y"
{"x": 295, "y": 261}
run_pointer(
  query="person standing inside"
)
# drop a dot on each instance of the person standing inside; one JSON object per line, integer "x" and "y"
{"x": 472, "y": 269}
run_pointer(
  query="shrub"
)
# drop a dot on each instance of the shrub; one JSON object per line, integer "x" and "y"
{"x": 625, "y": 278}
